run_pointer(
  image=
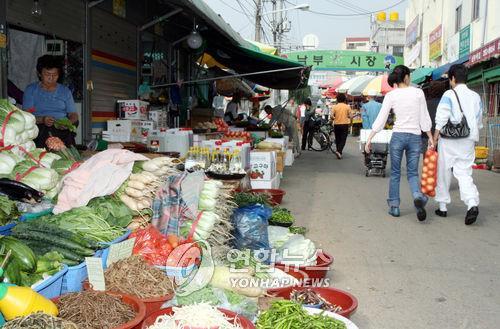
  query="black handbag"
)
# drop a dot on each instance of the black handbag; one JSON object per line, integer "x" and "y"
{"x": 456, "y": 130}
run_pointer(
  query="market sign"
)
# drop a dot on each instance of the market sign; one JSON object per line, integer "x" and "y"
{"x": 435, "y": 47}
{"x": 452, "y": 48}
{"x": 464, "y": 42}
{"x": 486, "y": 52}
{"x": 413, "y": 54}
{"x": 412, "y": 31}
{"x": 345, "y": 60}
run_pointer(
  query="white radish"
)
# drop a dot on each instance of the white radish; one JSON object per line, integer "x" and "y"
{"x": 137, "y": 185}
{"x": 129, "y": 202}
{"x": 150, "y": 166}
{"x": 134, "y": 193}
{"x": 145, "y": 179}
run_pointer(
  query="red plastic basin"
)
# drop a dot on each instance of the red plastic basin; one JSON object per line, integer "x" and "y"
{"x": 136, "y": 304}
{"x": 232, "y": 317}
{"x": 323, "y": 264}
{"x": 275, "y": 194}
{"x": 151, "y": 304}
{"x": 347, "y": 301}
{"x": 297, "y": 274}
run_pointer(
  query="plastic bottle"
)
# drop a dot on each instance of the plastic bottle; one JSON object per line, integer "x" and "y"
{"x": 22, "y": 301}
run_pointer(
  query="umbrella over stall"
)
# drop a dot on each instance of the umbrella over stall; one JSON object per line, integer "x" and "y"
{"x": 357, "y": 87}
{"x": 379, "y": 84}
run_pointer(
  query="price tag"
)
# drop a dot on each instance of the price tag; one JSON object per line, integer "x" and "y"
{"x": 120, "y": 251}
{"x": 96, "y": 273}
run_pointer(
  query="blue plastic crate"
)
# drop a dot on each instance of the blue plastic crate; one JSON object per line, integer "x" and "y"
{"x": 52, "y": 286}
{"x": 73, "y": 279}
{"x": 103, "y": 253}
{"x": 7, "y": 229}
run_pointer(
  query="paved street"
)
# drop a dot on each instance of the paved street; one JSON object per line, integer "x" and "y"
{"x": 405, "y": 274}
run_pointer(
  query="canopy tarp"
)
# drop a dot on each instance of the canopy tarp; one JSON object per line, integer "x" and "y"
{"x": 267, "y": 49}
{"x": 357, "y": 87}
{"x": 379, "y": 84}
{"x": 442, "y": 70}
{"x": 420, "y": 75}
{"x": 346, "y": 86}
{"x": 286, "y": 74}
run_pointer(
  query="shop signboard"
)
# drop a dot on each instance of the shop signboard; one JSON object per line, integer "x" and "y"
{"x": 435, "y": 43}
{"x": 413, "y": 54}
{"x": 345, "y": 60}
{"x": 412, "y": 32}
{"x": 486, "y": 52}
{"x": 464, "y": 42}
{"x": 452, "y": 48}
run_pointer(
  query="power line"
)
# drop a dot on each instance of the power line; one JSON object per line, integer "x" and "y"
{"x": 359, "y": 14}
{"x": 236, "y": 10}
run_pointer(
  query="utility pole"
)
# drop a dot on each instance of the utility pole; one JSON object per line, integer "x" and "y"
{"x": 275, "y": 24}
{"x": 258, "y": 20}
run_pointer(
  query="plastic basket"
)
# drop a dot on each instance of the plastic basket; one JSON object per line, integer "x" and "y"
{"x": 7, "y": 229}
{"x": 103, "y": 253}
{"x": 52, "y": 286}
{"x": 73, "y": 279}
{"x": 482, "y": 152}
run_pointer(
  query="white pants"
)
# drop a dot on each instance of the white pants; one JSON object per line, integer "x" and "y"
{"x": 459, "y": 155}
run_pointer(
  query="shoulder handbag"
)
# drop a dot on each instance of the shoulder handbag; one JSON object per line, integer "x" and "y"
{"x": 456, "y": 130}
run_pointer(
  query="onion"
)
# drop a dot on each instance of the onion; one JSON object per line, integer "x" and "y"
{"x": 425, "y": 175}
{"x": 426, "y": 161}
{"x": 425, "y": 169}
{"x": 431, "y": 166}
{"x": 433, "y": 158}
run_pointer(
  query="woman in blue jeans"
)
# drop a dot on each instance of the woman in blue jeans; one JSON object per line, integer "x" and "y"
{"x": 412, "y": 117}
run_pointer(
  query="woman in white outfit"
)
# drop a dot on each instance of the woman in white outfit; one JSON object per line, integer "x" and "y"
{"x": 457, "y": 155}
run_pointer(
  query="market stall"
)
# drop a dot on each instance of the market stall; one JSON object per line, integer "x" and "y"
{"x": 122, "y": 239}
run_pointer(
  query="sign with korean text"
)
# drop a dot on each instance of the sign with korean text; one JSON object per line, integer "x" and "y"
{"x": 452, "y": 48}
{"x": 465, "y": 41}
{"x": 486, "y": 52}
{"x": 346, "y": 60}
{"x": 412, "y": 31}
{"x": 435, "y": 43}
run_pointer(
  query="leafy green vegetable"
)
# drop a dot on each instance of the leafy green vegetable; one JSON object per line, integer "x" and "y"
{"x": 243, "y": 199}
{"x": 8, "y": 210}
{"x": 65, "y": 123}
{"x": 286, "y": 314}
{"x": 298, "y": 230}
{"x": 62, "y": 165}
{"x": 281, "y": 216}
{"x": 203, "y": 295}
{"x": 115, "y": 212}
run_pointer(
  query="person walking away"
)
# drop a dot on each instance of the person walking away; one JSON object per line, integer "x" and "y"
{"x": 307, "y": 127}
{"x": 285, "y": 117}
{"x": 341, "y": 117}
{"x": 370, "y": 110}
{"x": 412, "y": 117}
{"x": 458, "y": 154}
{"x": 50, "y": 101}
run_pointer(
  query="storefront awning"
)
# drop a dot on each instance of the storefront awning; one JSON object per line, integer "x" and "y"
{"x": 420, "y": 75}
{"x": 266, "y": 70}
{"x": 442, "y": 70}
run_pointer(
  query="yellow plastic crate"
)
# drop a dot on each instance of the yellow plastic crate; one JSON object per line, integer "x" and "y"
{"x": 481, "y": 152}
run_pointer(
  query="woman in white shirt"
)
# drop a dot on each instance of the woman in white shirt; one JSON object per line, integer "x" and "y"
{"x": 412, "y": 117}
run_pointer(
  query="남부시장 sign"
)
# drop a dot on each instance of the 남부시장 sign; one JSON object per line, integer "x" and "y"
{"x": 348, "y": 60}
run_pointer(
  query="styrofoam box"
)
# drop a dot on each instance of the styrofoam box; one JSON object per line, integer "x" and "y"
{"x": 267, "y": 184}
{"x": 289, "y": 157}
{"x": 159, "y": 117}
{"x": 133, "y": 109}
{"x": 263, "y": 163}
{"x": 281, "y": 141}
{"x": 382, "y": 137}
{"x": 129, "y": 130}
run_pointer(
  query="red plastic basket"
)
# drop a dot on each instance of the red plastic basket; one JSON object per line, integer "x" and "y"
{"x": 275, "y": 194}
{"x": 318, "y": 271}
{"x": 347, "y": 301}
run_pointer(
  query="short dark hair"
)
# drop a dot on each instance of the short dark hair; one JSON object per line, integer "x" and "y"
{"x": 398, "y": 75}
{"x": 49, "y": 62}
{"x": 459, "y": 72}
{"x": 308, "y": 102}
{"x": 268, "y": 108}
{"x": 341, "y": 98}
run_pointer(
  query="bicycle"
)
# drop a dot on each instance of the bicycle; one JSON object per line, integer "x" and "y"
{"x": 323, "y": 137}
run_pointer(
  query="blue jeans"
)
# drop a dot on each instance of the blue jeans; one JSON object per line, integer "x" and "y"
{"x": 410, "y": 144}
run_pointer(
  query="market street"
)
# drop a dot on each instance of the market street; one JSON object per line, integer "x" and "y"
{"x": 405, "y": 274}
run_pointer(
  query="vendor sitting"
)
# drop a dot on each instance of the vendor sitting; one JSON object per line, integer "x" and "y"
{"x": 50, "y": 101}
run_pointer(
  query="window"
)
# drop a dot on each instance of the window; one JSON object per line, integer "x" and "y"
{"x": 398, "y": 50}
{"x": 475, "y": 9}
{"x": 458, "y": 18}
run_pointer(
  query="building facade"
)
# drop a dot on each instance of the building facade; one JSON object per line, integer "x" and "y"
{"x": 442, "y": 31}
{"x": 356, "y": 43}
{"x": 388, "y": 35}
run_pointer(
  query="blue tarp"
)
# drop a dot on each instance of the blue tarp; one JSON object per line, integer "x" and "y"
{"x": 438, "y": 73}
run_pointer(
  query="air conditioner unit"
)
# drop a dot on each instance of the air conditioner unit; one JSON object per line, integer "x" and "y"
{"x": 54, "y": 47}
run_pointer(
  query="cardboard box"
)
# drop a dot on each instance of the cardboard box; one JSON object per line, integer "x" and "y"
{"x": 282, "y": 141}
{"x": 159, "y": 117}
{"x": 280, "y": 161}
{"x": 133, "y": 109}
{"x": 262, "y": 165}
{"x": 128, "y": 130}
{"x": 266, "y": 184}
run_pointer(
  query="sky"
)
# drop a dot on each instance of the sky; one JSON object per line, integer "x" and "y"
{"x": 240, "y": 14}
